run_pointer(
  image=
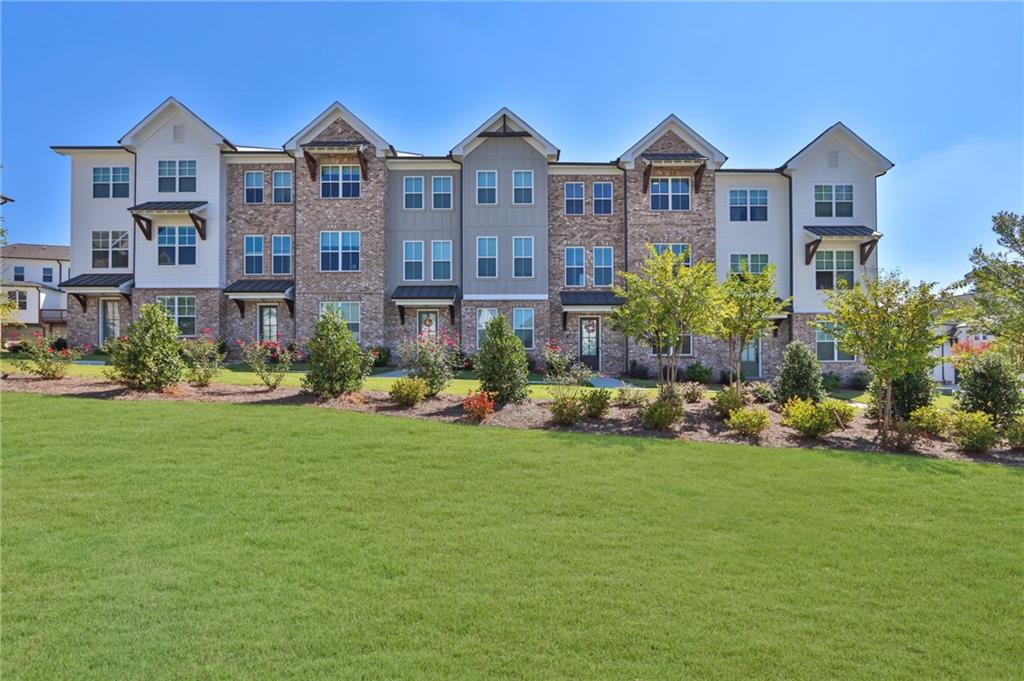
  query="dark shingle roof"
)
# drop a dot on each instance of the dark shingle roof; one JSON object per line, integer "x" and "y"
{"x": 840, "y": 230}
{"x": 590, "y": 298}
{"x": 425, "y": 293}
{"x": 168, "y": 205}
{"x": 36, "y": 251}
{"x": 670, "y": 156}
{"x": 259, "y": 286}
{"x": 99, "y": 280}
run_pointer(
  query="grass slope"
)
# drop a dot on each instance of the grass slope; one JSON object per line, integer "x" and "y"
{"x": 175, "y": 540}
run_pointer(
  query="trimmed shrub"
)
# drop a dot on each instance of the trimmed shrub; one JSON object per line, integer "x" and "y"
{"x": 932, "y": 420}
{"x": 44, "y": 360}
{"x": 844, "y": 412}
{"x": 203, "y": 358}
{"x": 859, "y": 380}
{"x": 661, "y": 414}
{"x": 337, "y": 365}
{"x": 799, "y": 375}
{"x": 478, "y": 405}
{"x": 501, "y": 363}
{"x": 269, "y": 360}
{"x": 749, "y": 421}
{"x": 408, "y": 391}
{"x": 381, "y": 355}
{"x": 431, "y": 358}
{"x": 974, "y": 431}
{"x": 696, "y": 371}
{"x": 810, "y": 419}
{"x": 637, "y": 370}
{"x": 566, "y": 407}
{"x": 989, "y": 383}
{"x": 908, "y": 393}
{"x": 906, "y": 435}
{"x": 725, "y": 402}
{"x": 1014, "y": 433}
{"x": 596, "y": 402}
{"x": 691, "y": 392}
{"x": 630, "y": 397}
{"x": 761, "y": 391}
{"x": 147, "y": 357}
{"x": 830, "y": 381}
{"x": 557, "y": 359}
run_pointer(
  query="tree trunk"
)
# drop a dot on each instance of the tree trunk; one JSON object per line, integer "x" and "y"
{"x": 739, "y": 367}
{"x": 887, "y": 412}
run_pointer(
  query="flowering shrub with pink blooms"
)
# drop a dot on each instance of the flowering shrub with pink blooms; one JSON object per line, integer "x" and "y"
{"x": 203, "y": 358}
{"x": 432, "y": 358}
{"x": 560, "y": 365}
{"x": 44, "y": 360}
{"x": 270, "y": 360}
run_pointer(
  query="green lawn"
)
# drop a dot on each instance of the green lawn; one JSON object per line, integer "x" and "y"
{"x": 154, "y": 540}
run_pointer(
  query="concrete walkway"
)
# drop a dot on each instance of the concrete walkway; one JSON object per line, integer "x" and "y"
{"x": 607, "y": 382}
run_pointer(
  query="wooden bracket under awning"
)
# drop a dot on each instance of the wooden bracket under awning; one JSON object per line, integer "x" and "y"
{"x": 810, "y": 248}
{"x": 866, "y": 249}
{"x": 647, "y": 176}
{"x": 200, "y": 224}
{"x": 698, "y": 176}
{"x": 145, "y": 226}
{"x": 82, "y": 300}
{"x": 361, "y": 154}
{"x": 310, "y": 165}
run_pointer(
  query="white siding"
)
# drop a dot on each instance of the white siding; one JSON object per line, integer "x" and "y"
{"x": 88, "y": 213}
{"x": 771, "y": 237}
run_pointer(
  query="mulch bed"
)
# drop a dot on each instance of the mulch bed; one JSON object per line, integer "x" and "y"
{"x": 698, "y": 425}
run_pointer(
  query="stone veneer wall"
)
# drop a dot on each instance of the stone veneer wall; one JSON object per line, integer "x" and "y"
{"x": 541, "y": 317}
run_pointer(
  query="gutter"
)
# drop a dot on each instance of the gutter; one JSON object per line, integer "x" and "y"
{"x": 792, "y": 256}
{"x": 625, "y": 239}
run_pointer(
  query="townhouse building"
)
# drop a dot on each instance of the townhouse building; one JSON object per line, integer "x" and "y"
{"x": 256, "y": 242}
{"x": 29, "y": 278}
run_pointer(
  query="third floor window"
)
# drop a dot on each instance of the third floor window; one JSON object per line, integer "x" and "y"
{"x": 574, "y": 198}
{"x": 282, "y": 186}
{"x": 441, "y": 192}
{"x": 109, "y": 248}
{"x": 487, "y": 187}
{"x": 412, "y": 192}
{"x": 110, "y": 182}
{"x": 748, "y": 205}
{"x": 602, "y": 198}
{"x": 176, "y": 176}
{"x": 522, "y": 187}
{"x": 254, "y": 186}
{"x": 833, "y": 200}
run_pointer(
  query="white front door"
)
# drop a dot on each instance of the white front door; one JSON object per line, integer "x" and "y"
{"x": 110, "y": 319}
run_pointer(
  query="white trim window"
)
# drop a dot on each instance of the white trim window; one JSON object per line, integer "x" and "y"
{"x": 253, "y": 254}
{"x": 350, "y": 313}
{"x": 603, "y": 268}
{"x": 176, "y": 245}
{"x": 575, "y": 273}
{"x": 685, "y": 348}
{"x": 486, "y": 187}
{"x": 254, "y": 186}
{"x": 575, "y": 197}
{"x": 176, "y": 176}
{"x": 182, "y": 310}
{"x": 412, "y": 260}
{"x": 833, "y": 200}
{"x": 677, "y": 249}
{"x": 486, "y": 257}
{"x": 602, "y": 198}
{"x": 748, "y": 205}
{"x": 826, "y": 347}
{"x": 832, "y": 266}
{"x": 330, "y": 181}
{"x": 522, "y": 187}
{"x": 19, "y": 298}
{"x": 483, "y": 315}
{"x": 351, "y": 182}
{"x": 522, "y": 325}
{"x": 441, "y": 192}
{"x": 109, "y": 248}
{"x": 339, "y": 251}
{"x": 19, "y": 273}
{"x": 441, "y": 260}
{"x": 110, "y": 182}
{"x": 522, "y": 257}
{"x": 670, "y": 193}
{"x": 282, "y": 186}
{"x": 412, "y": 192}
{"x": 47, "y": 275}
{"x": 754, "y": 262}
{"x": 281, "y": 256}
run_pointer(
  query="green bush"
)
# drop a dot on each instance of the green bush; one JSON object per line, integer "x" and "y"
{"x": 432, "y": 358}
{"x": 843, "y": 411}
{"x": 661, "y": 414}
{"x": 203, "y": 359}
{"x": 725, "y": 402}
{"x": 860, "y": 380}
{"x": 749, "y": 421}
{"x": 596, "y": 402}
{"x": 691, "y": 392}
{"x": 908, "y": 393}
{"x": 408, "y": 391}
{"x": 630, "y": 397}
{"x": 761, "y": 391}
{"x": 830, "y": 381}
{"x": 989, "y": 383}
{"x": 810, "y": 419}
{"x": 799, "y": 375}
{"x": 337, "y": 365}
{"x": 567, "y": 407}
{"x": 1014, "y": 433}
{"x": 381, "y": 355}
{"x": 147, "y": 357}
{"x": 697, "y": 372}
{"x": 931, "y": 420}
{"x": 974, "y": 431}
{"x": 501, "y": 363}
{"x": 45, "y": 360}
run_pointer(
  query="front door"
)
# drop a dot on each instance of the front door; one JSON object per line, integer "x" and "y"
{"x": 266, "y": 323}
{"x": 750, "y": 361}
{"x": 110, "y": 320}
{"x": 590, "y": 342}
{"x": 426, "y": 323}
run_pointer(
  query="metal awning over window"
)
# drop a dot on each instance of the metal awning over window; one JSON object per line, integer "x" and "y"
{"x": 312, "y": 151}
{"x": 143, "y": 215}
{"x": 866, "y": 237}
{"x": 85, "y": 285}
{"x": 425, "y": 296}
{"x": 687, "y": 164}
{"x": 269, "y": 290}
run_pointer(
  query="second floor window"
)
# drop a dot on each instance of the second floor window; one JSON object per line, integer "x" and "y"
{"x": 441, "y": 260}
{"x": 47, "y": 275}
{"x": 110, "y": 182}
{"x": 670, "y": 193}
{"x": 574, "y": 272}
{"x": 412, "y": 259}
{"x": 183, "y": 310}
{"x": 832, "y": 266}
{"x": 677, "y": 249}
{"x": 574, "y": 198}
{"x": 748, "y": 205}
{"x": 602, "y": 198}
{"x": 487, "y": 257}
{"x": 413, "y": 193}
{"x": 339, "y": 251}
{"x": 282, "y": 186}
{"x": 833, "y": 200}
{"x": 176, "y": 246}
{"x": 19, "y": 273}
{"x": 603, "y": 266}
{"x": 176, "y": 176}
{"x": 20, "y": 299}
{"x": 254, "y": 186}
{"x": 282, "y": 254}
{"x": 441, "y": 192}
{"x": 754, "y": 262}
{"x": 522, "y": 187}
{"x": 487, "y": 187}
{"x": 109, "y": 248}
{"x": 522, "y": 256}
{"x": 253, "y": 254}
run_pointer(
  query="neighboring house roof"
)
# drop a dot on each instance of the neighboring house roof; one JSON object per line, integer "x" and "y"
{"x": 882, "y": 164}
{"x": 590, "y": 298}
{"x": 167, "y": 205}
{"x": 36, "y": 251}
{"x": 444, "y": 293}
{"x": 29, "y": 284}
{"x": 98, "y": 280}
{"x": 506, "y": 123}
{"x": 128, "y": 140}
{"x": 259, "y": 286}
{"x": 685, "y": 132}
{"x": 333, "y": 112}
{"x": 840, "y": 230}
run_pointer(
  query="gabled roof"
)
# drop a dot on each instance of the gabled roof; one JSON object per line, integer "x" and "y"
{"x": 672, "y": 123}
{"x": 506, "y": 123}
{"x": 882, "y": 164}
{"x": 329, "y": 115}
{"x": 128, "y": 140}
{"x": 36, "y": 251}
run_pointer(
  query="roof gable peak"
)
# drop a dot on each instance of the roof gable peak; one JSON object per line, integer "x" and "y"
{"x": 686, "y": 133}
{"x": 505, "y": 123}
{"x": 330, "y": 114}
{"x": 132, "y": 137}
{"x": 882, "y": 164}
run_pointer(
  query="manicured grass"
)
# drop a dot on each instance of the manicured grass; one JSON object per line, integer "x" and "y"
{"x": 861, "y": 396}
{"x": 177, "y": 540}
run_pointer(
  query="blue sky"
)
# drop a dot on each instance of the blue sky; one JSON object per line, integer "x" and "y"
{"x": 938, "y": 88}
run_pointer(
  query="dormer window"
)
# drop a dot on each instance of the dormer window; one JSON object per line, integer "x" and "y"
{"x": 176, "y": 176}
{"x": 833, "y": 200}
{"x": 110, "y": 182}
{"x": 670, "y": 193}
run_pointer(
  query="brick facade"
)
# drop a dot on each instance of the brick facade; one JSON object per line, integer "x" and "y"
{"x": 395, "y": 332}
{"x": 236, "y": 327}
{"x": 263, "y": 219}
{"x": 803, "y": 331}
{"x": 84, "y": 325}
{"x": 541, "y": 323}
{"x": 209, "y": 304}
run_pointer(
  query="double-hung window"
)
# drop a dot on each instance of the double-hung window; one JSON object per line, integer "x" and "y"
{"x": 47, "y": 275}
{"x": 522, "y": 187}
{"x": 574, "y": 272}
{"x": 349, "y": 313}
{"x": 677, "y": 249}
{"x": 183, "y": 310}
{"x": 486, "y": 257}
{"x": 486, "y": 187}
{"x": 670, "y": 193}
{"x": 754, "y": 262}
{"x": 574, "y": 198}
{"x": 20, "y": 299}
{"x": 339, "y": 251}
{"x": 412, "y": 259}
{"x": 176, "y": 245}
{"x": 254, "y": 186}
{"x": 441, "y": 192}
{"x": 483, "y": 315}
{"x": 441, "y": 260}
{"x": 253, "y": 254}
{"x": 602, "y": 198}
{"x": 522, "y": 257}
{"x": 330, "y": 182}
{"x": 110, "y": 248}
{"x": 176, "y": 176}
{"x": 831, "y": 267}
{"x": 685, "y": 347}
{"x": 19, "y": 273}
{"x": 748, "y": 205}
{"x": 603, "y": 266}
{"x": 412, "y": 192}
{"x": 282, "y": 186}
{"x": 281, "y": 260}
{"x": 350, "y": 182}
{"x": 110, "y": 182}
{"x": 827, "y": 348}
{"x": 833, "y": 200}
{"x": 522, "y": 325}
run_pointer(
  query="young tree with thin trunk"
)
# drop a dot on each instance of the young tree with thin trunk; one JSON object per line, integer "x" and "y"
{"x": 665, "y": 302}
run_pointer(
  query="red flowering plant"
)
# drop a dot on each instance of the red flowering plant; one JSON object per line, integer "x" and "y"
{"x": 431, "y": 357}
{"x": 270, "y": 360}
{"x": 561, "y": 367}
{"x": 203, "y": 358}
{"x": 967, "y": 349}
{"x": 45, "y": 360}
{"x": 478, "y": 405}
